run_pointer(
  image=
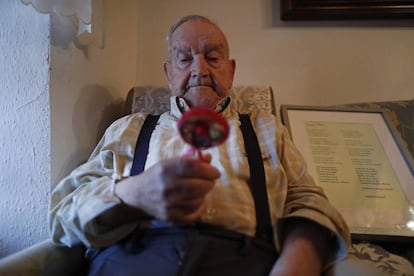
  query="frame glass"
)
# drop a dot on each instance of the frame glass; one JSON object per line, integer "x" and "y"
{"x": 349, "y": 9}
{"x": 358, "y": 158}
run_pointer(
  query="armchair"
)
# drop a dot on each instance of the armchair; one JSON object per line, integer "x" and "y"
{"x": 47, "y": 258}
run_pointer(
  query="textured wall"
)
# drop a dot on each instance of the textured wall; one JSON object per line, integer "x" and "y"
{"x": 321, "y": 62}
{"x": 24, "y": 126}
{"x": 86, "y": 100}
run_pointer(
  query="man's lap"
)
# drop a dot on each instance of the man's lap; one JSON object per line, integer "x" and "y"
{"x": 148, "y": 254}
{"x": 161, "y": 251}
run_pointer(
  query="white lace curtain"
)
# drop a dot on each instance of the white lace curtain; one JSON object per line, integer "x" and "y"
{"x": 81, "y": 20}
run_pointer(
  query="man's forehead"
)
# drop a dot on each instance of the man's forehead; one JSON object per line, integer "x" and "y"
{"x": 206, "y": 37}
{"x": 198, "y": 35}
{"x": 183, "y": 46}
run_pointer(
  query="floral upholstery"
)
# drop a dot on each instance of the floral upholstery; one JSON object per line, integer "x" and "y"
{"x": 48, "y": 259}
{"x": 156, "y": 99}
{"x": 374, "y": 254}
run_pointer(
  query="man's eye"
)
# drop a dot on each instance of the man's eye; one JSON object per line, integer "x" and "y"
{"x": 183, "y": 58}
{"x": 213, "y": 59}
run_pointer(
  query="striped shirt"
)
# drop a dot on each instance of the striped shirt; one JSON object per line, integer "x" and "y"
{"x": 88, "y": 191}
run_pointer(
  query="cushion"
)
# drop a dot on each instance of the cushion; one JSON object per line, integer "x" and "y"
{"x": 156, "y": 99}
{"x": 376, "y": 255}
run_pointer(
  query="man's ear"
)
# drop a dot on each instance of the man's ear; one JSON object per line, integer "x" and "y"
{"x": 232, "y": 65}
{"x": 167, "y": 70}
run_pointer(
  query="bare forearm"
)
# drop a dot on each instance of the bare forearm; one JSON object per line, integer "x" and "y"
{"x": 303, "y": 231}
{"x": 303, "y": 242}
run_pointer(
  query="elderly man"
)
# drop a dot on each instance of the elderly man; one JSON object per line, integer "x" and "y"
{"x": 143, "y": 224}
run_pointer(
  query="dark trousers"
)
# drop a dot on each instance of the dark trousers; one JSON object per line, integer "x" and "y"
{"x": 202, "y": 249}
{"x": 154, "y": 252}
{"x": 158, "y": 252}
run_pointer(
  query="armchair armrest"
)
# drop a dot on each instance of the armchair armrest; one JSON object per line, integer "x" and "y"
{"x": 45, "y": 258}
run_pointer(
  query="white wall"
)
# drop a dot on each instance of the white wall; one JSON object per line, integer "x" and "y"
{"x": 24, "y": 126}
{"x": 88, "y": 88}
{"x": 305, "y": 62}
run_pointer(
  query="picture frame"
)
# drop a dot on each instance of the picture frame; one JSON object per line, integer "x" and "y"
{"x": 346, "y": 10}
{"x": 358, "y": 158}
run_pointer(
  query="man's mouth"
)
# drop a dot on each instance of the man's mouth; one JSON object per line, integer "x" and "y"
{"x": 200, "y": 85}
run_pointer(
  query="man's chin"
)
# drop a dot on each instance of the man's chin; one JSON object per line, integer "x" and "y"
{"x": 204, "y": 98}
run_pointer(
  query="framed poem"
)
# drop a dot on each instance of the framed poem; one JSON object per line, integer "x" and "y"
{"x": 347, "y": 9}
{"x": 357, "y": 157}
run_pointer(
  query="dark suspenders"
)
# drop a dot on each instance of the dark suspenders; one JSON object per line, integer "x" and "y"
{"x": 142, "y": 146}
{"x": 257, "y": 181}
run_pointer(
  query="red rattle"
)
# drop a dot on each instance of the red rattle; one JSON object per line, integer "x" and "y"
{"x": 202, "y": 128}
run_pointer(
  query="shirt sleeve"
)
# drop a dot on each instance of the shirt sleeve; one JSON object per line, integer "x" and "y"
{"x": 305, "y": 199}
{"x": 88, "y": 191}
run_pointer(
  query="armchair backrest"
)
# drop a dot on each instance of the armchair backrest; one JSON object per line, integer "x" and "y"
{"x": 156, "y": 99}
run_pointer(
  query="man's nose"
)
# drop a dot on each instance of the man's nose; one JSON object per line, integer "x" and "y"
{"x": 199, "y": 67}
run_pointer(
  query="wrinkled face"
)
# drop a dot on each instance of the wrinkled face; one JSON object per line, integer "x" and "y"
{"x": 199, "y": 69}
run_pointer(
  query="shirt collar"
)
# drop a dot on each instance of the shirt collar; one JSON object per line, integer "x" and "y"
{"x": 179, "y": 105}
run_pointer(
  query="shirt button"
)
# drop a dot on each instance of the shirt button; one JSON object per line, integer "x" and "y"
{"x": 211, "y": 212}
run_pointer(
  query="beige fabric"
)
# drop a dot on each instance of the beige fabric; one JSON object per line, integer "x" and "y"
{"x": 88, "y": 191}
{"x": 45, "y": 259}
{"x": 353, "y": 266}
{"x": 156, "y": 99}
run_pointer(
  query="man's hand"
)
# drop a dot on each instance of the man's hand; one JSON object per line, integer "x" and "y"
{"x": 172, "y": 190}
